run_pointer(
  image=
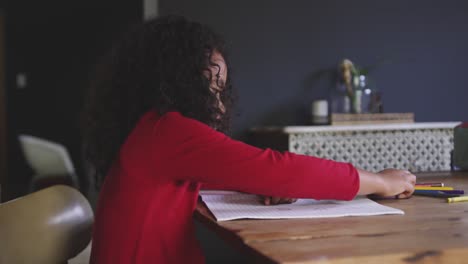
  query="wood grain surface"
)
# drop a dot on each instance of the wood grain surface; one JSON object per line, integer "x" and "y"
{"x": 431, "y": 231}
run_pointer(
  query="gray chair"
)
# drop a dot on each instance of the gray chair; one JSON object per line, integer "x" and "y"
{"x": 49, "y": 226}
{"x": 50, "y": 162}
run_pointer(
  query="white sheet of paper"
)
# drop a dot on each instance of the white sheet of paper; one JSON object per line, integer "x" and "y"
{"x": 226, "y": 205}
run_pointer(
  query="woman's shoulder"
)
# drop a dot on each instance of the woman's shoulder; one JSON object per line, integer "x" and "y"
{"x": 174, "y": 118}
{"x": 155, "y": 117}
{"x": 174, "y": 121}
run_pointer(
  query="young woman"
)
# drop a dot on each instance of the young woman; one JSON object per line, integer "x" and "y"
{"x": 154, "y": 132}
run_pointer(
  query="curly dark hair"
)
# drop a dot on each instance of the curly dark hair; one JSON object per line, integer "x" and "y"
{"x": 158, "y": 65}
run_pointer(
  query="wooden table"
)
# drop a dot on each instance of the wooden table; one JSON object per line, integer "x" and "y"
{"x": 431, "y": 231}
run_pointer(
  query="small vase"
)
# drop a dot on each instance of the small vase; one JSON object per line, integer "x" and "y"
{"x": 362, "y": 97}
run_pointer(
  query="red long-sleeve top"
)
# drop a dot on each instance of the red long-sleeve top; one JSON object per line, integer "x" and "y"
{"x": 145, "y": 207}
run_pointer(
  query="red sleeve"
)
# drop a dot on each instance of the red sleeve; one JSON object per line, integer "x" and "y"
{"x": 207, "y": 156}
{"x": 212, "y": 186}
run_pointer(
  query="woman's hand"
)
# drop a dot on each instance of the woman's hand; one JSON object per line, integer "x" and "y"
{"x": 387, "y": 183}
{"x": 272, "y": 200}
{"x": 399, "y": 183}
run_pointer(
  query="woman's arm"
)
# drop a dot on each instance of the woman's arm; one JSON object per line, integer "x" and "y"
{"x": 185, "y": 149}
{"x": 209, "y": 157}
{"x": 386, "y": 183}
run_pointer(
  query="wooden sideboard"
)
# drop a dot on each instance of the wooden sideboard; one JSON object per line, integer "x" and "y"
{"x": 415, "y": 146}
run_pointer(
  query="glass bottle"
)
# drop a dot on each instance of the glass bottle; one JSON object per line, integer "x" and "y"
{"x": 363, "y": 94}
{"x": 340, "y": 101}
{"x": 359, "y": 82}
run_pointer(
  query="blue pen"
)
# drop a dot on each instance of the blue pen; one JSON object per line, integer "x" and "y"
{"x": 435, "y": 193}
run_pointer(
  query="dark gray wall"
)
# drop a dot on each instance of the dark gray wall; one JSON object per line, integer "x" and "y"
{"x": 284, "y": 52}
{"x": 55, "y": 43}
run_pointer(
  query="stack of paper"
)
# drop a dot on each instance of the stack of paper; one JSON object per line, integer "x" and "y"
{"x": 234, "y": 205}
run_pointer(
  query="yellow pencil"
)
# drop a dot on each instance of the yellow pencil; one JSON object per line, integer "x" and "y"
{"x": 457, "y": 199}
{"x": 433, "y": 188}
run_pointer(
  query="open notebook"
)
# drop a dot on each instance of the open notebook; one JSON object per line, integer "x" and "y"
{"x": 226, "y": 205}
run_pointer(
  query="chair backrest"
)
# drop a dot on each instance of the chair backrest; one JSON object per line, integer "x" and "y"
{"x": 46, "y": 157}
{"x": 48, "y": 226}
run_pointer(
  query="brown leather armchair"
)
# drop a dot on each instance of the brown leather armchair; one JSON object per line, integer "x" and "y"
{"x": 48, "y": 226}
